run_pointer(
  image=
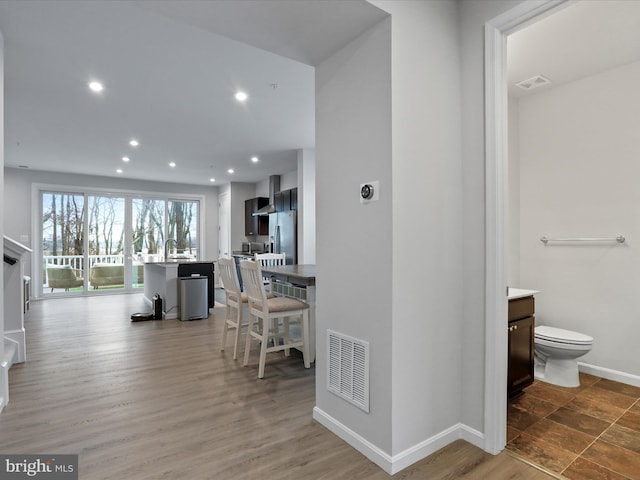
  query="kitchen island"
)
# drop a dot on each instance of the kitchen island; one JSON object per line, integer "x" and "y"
{"x": 162, "y": 278}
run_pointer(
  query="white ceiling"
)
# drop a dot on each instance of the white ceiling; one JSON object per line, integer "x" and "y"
{"x": 580, "y": 40}
{"x": 170, "y": 69}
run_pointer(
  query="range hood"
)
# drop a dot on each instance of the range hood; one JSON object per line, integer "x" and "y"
{"x": 274, "y": 187}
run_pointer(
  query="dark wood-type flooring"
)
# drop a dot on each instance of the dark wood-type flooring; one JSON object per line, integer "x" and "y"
{"x": 584, "y": 433}
{"x": 159, "y": 400}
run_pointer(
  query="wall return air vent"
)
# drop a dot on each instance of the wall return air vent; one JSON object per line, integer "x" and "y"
{"x": 348, "y": 369}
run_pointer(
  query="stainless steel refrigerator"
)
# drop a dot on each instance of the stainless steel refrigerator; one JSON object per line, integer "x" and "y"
{"x": 283, "y": 235}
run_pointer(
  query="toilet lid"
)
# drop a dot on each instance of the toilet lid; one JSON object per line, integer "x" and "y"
{"x": 564, "y": 336}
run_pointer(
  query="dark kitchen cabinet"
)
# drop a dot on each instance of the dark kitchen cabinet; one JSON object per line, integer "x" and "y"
{"x": 258, "y": 224}
{"x": 521, "y": 327}
{"x": 278, "y": 202}
{"x": 286, "y": 200}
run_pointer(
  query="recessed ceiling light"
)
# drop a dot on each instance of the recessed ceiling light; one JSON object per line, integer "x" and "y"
{"x": 96, "y": 87}
{"x": 125, "y": 159}
{"x": 255, "y": 159}
{"x": 212, "y": 179}
{"x": 172, "y": 164}
{"x": 133, "y": 142}
{"x": 241, "y": 96}
{"x": 231, "y": 170}
{"x": 119, "y": 170}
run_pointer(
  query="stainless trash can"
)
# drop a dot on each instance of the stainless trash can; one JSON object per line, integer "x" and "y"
{"x": 194, "y": 302}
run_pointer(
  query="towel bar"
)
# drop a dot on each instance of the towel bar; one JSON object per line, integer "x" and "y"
{"x": 619, "y": 239}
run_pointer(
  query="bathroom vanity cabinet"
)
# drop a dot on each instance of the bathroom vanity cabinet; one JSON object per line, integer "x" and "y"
{"x": 521, "y": 344}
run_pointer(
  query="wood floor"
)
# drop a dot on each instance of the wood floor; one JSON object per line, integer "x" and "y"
{"x": 159, "y": 400}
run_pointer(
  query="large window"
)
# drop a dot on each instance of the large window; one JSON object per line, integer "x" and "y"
{"x": 95, "y": 243}
{"x": 183, "y": 228}
{"x": 148, "y": 228}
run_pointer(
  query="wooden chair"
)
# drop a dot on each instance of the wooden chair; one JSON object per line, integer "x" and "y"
{"x": 235, "y": 299}
{"x": 266, "y": 311}
{"x": 270, "y": 259}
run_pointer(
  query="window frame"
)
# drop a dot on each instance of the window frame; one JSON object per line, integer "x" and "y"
{"x": 38, "y": 189}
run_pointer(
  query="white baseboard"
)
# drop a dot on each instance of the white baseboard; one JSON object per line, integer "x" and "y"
{"x": 4, "y": 384}
{"x": 610, "y": 374}
{"x": 394, "y": 463}
{"x": 19, "y": 338}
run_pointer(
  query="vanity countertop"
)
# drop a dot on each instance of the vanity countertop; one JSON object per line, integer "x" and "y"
{"x": 520, "y": 293}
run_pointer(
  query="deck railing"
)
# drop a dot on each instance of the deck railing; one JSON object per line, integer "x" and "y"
{"x": 77, "y": 262}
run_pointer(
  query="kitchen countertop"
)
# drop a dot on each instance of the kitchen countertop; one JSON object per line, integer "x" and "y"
{"x": 295, "y": 274}
{"x": 176, "y": 261}
{"x": 520, "y": 293}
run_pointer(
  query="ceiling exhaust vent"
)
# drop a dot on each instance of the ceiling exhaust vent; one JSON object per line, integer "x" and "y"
{"x": 348, "y": 372}
{"x": 533, "y": 82}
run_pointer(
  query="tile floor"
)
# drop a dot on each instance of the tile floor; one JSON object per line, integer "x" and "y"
{"x": 584, "y": 433}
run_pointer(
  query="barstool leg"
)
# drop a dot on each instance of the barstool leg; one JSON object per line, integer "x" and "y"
{"x": 305, "y": 338}
{"x": 247, "y": 344}
{"x": 263, "y": 347}
{"x": 226, "y": 327}
{"x": 238, "y": 326}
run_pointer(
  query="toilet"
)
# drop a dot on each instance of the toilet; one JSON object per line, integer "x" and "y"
{"x": 557, "y": 353}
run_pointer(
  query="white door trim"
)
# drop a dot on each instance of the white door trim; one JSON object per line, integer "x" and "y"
{"x": 224, "y": 230}
{"x": 496, "y": 195}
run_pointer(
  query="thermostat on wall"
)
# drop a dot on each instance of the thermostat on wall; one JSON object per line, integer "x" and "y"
{"x": 369, "y": 192}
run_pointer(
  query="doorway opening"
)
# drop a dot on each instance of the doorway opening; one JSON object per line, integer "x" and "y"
{"x": 497, "y": 187}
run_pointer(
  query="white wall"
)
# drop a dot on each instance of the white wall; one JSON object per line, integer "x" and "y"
{"x": 390, "y": 272}
{"x": 354, "y": 241}
{"x": 473, "y": 15}
{"x": 288, "y": 180}
{"x": 239, "y": 193}
{"x": 17, "y": 196}
{"x": 579, "y": 154}
{"x": 307, "y": 206}
{"x": 426, "y": 220}
{"x": 4, "y": 381}
{"x": 513, "y": 217}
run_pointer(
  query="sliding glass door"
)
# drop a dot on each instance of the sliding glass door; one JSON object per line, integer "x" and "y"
{"x": 106, "y": 236}
{"x": 63, "y": 227}
{"x": 98, "y": 243}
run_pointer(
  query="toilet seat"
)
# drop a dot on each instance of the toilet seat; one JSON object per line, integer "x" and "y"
{"x": 561, "y": 336}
